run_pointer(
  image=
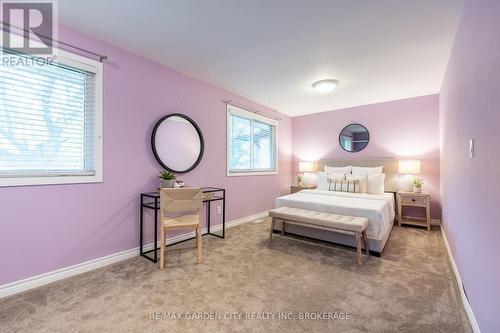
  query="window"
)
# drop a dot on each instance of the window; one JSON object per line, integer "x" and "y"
{"x": 251, "y": 143}
{"x": 50, "y": 120}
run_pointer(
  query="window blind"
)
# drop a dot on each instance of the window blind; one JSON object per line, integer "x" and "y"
{"x": 251, "y": 144}
{"x": 47, "y": 120}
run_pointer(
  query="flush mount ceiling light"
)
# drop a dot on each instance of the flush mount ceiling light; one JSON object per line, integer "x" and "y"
{"x": 325, "y": 86}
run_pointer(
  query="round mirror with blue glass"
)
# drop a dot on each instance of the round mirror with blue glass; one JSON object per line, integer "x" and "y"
{"x": 354, "y": 138}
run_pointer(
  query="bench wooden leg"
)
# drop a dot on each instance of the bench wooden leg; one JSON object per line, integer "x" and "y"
{"x": 358, "y": 249}
{"x": 273, "y": 220}
{"x": 282, "y": 227}
{"x": 367, "y": 249}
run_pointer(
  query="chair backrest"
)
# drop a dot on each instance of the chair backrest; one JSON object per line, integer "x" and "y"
{"x": 177, "y": 200}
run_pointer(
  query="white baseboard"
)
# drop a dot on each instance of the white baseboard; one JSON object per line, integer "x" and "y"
{"x": 463, "y": 296}
{"x": 45, "y": 278}
{"x": 435, "y": 222}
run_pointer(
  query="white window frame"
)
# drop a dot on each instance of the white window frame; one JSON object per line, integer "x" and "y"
{"x": 232, "y": 109}
{"x": 89, "y": 65}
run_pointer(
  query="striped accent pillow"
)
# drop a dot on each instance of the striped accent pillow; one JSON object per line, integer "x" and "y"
{"x": 344, "y": 185}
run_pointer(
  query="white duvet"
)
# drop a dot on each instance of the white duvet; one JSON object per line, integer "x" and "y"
{"x": 378, "y": 209}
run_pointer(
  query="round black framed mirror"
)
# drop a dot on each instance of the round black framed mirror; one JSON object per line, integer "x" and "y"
{"x": 177, "y": 143}
{"x": 354, "y": 138}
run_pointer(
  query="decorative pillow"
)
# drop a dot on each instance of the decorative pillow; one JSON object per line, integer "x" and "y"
{"x": 344, "y": 185}
{"x": 367, "y": 170}
{"x": 322, "y": 182}
{"x": 335, "y": 176}
{"x": 342, "y": 170}
{"x": 375, "y": 184}
{"x": 363, "y": 181}
{"x": 323, "y": 179}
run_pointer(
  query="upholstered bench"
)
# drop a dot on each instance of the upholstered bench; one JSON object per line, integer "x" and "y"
{"x": 324, "y": 221}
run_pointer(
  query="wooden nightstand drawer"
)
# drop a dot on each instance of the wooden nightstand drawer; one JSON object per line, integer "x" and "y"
{"x": 414, "y": 200}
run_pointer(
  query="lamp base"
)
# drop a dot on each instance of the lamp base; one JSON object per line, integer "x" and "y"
{"x": 300, "y": 179}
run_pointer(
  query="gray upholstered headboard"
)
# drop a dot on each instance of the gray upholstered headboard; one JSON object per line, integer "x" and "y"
{"x": 390, "y": 169}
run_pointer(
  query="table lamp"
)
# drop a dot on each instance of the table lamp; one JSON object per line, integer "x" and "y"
{"x": 304, "y": 167}
{"x": 412, "y": 168}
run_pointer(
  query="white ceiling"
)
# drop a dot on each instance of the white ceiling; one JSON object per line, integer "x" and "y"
{"x": 271, "y": 51}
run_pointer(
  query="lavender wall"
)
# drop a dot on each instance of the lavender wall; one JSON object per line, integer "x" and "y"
{"x": 470, "y": 100}
{"x": 44, "y": 228}
{"x": 403, "y": 129}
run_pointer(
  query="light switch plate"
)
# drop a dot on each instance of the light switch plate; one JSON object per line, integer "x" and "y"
{"x": 471, "y": 148}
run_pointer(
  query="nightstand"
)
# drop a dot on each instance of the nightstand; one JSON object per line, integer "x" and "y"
{"x": 412, "y": 199}
{"x": 296, "y": 188}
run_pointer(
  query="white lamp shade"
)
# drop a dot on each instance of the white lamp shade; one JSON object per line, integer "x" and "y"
{"x": 306, "y": 166}
{"x": 410, "y": 167}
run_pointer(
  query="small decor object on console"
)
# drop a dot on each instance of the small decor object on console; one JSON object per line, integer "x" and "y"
{"x": 417, "y": 184}
{"x": 168, "y": 179}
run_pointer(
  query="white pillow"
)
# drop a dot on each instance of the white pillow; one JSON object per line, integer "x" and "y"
{"x": 323, "y": 179}
{"x": 338, "y": 170}
{"x": 363, "y": 181}
{"x": 367, "y": 170}
{"x": 335, "y": 176}
{"x": 375, "y": 184}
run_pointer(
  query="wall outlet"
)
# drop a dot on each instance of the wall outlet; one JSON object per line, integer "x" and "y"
{"x": 218, "y": 210}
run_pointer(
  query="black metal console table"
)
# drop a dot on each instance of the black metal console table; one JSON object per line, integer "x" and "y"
{"x": 151, "y": 200}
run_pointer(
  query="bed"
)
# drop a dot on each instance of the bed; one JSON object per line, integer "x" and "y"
{"x": 378, "y": 209}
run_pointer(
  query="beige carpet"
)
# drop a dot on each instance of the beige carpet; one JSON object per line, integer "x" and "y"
{"x": 409, "y": 289}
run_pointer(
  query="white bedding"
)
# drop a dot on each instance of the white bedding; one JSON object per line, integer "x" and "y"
{"x": 378, "y": 209}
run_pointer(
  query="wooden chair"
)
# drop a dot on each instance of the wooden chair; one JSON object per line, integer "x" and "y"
{"x": 177, "y": 201}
